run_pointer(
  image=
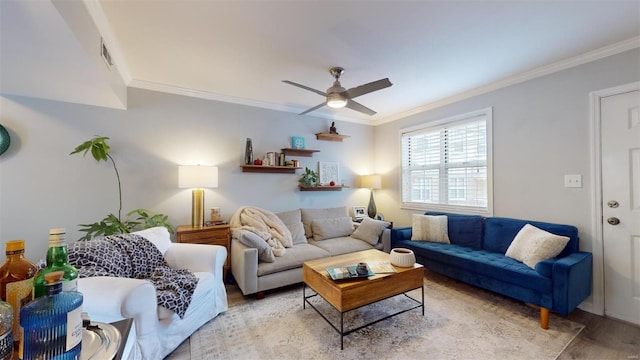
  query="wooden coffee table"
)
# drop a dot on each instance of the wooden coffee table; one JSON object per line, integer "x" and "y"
{"x": 347, "y": 295}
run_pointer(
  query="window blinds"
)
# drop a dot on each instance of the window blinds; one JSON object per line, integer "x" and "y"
{"x": 446, "y": 164}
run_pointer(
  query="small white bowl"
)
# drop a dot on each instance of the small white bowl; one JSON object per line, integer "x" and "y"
{"x": 402, "y": 257}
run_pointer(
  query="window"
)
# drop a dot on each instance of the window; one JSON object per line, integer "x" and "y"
{"x": 446, "y": 165}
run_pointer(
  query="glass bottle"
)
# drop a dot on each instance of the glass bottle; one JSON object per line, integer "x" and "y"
{"x": 6, "y": 331}
{"x": 52, "y": 324}
{"x": 16, "y": 282}
{"x": 57, "y": 260}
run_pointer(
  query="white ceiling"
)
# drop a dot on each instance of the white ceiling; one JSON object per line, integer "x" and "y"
{"x": 433, "y": 52}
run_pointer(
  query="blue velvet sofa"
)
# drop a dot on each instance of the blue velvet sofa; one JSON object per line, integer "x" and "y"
{"x": 476, "y": 256}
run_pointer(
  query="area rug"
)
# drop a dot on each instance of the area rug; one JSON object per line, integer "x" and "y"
{"x": 460, "y": 322}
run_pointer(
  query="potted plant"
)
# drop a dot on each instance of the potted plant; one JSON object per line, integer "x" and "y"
{"x": 309, "y": 178}
{"x": 112, "y": 224}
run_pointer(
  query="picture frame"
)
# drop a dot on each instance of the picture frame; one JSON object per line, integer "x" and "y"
{"x": 297, "y": 142}
{"x": 359, "y": 212}
{"x": 328, "y": 172}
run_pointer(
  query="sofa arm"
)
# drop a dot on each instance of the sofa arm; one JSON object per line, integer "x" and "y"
{"x": 385, "y": 240}
{"x": 244, "y": 267}
{"x": 109, "y": 299}
{"x": 572, "y": 277}
{"x": 400, "y": 233}
{"x": 197, "y": 257}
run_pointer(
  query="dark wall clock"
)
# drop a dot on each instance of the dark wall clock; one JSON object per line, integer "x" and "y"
{"x": 5, "y": 139}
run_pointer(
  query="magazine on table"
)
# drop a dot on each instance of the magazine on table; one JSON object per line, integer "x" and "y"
{"x": 349, "y": 272}
{"x": 381, "y": 267}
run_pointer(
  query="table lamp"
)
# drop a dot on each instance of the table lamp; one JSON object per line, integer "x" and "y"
{"x": 371, "y": 182}
{"x": 198, "y": 177}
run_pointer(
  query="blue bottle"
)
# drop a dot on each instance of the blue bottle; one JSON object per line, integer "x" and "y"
{"x": 52, "y": 325}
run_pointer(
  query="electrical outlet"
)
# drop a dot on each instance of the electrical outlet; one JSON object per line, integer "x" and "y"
{"x": 573, "y": 181}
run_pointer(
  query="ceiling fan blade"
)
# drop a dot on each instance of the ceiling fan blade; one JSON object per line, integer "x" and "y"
{"x": 367, "y": 88}
{"x": 322, "y": 93}
{"x": 353, "y": 105}
{"x": 313, "y": 108}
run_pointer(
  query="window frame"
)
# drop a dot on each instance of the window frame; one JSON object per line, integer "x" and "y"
{"x": 487, "y": 113}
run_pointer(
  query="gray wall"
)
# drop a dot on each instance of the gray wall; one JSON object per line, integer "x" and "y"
{"x": 541, "y": 131}
{"x": 41, "y": 186}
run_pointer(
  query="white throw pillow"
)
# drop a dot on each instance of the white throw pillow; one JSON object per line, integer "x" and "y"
{"x": 532, "y": 245}
{"x": 369, "y": 230}
{"x": 158, "y": 235}
{"x": 430, "y": 228}
{"x": 331, "y": 228}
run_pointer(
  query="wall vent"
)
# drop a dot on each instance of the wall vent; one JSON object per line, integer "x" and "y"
{"x": 106, "y": 56}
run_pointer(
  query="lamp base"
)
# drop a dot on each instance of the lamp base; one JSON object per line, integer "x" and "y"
{"x": 371, "y": 209}
{"x": 197, "y": 208}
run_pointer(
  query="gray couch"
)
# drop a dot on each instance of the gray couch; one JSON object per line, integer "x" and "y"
{"x": 317, "y": 233}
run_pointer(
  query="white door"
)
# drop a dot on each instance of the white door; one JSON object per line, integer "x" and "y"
{"x": 620, "y": 131}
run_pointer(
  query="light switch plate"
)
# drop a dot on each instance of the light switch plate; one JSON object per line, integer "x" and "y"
{"x": 573, "y": 181}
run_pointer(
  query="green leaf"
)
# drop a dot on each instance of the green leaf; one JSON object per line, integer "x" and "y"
{"x": 98, "y": 147}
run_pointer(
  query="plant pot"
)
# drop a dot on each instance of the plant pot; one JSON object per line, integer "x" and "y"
{"x": 402, "y": 257}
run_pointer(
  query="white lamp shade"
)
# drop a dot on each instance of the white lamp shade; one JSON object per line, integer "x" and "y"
{"x": 371, "y": 181}
{"x": 196, "y": 176}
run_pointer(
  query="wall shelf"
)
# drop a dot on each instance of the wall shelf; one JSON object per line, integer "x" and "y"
{"x": 269, "y": 169}
{"x": 322, "y": 188}
{"x": 299, "y": 152}
{"x": 330, "y": 137}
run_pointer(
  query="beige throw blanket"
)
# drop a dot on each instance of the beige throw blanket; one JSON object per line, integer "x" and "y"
{"x": 265, "y": 224}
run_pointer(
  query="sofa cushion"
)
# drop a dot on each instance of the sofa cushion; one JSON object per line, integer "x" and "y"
{"x": 293, "y": 220}
{"x": 481, "y": 262}
{"x": 369, "y": 230}
{"x": 249, "y": 239}
{"x": 308, "y": 215}
{"x": 429, "y": 228}
{"x": 202, "y": 293}
{"x": 158, "y": 235}
{"x": 464, "y": 230}
{"x": 499, "y": 232}
{"x": 331, "y": 228}
{"x": 341, "y": 245}
{"x": 532, "y": 245}
{"x": 292, "y": 258}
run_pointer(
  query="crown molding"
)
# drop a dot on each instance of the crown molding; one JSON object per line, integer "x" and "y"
{"x": 587, "y": 57}
{"x": 97, "y": 13}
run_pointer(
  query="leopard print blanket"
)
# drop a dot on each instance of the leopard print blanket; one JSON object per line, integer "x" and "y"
{"x": 133, "y": 256}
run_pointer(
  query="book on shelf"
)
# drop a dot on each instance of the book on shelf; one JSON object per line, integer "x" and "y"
{"x": 348, "y": 272}
{"x": 214, "y": 223}
{"x": 381, "y": 267}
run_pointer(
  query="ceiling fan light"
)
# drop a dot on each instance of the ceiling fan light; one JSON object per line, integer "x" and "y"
{"x": 336, "y": 101}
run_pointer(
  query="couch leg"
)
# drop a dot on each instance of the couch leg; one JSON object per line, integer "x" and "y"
{"x": 260, "y": 295}
{"x": 544, "y": 318}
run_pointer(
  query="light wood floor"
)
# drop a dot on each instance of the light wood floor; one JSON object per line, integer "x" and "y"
{"x": 603, "y": 338}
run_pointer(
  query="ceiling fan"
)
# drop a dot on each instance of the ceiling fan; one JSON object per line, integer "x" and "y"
{"x": 338, "y": 97}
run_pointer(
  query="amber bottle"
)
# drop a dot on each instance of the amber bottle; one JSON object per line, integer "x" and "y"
{"x": 16, "y": 282}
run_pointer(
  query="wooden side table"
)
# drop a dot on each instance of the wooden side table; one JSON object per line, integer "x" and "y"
{"x": 210, "y": 235}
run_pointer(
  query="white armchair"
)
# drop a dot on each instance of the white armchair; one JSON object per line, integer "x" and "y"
{"x": 158, "y": 331}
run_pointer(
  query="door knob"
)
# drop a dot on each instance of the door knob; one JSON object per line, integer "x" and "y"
{"x": 613, "y": 204}
{"x": 613, "y": 221}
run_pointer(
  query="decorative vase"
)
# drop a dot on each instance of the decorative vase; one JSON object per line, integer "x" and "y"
{"x": 371, "y": 209}
{"x": 248, "y": 153}
{"x": 402, "y": 257}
